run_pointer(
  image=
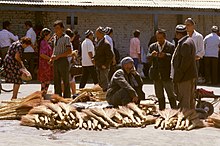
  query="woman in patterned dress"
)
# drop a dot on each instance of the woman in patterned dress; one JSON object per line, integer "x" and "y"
{"x": 45, "y": 71}
{"x": 13, "y": 63}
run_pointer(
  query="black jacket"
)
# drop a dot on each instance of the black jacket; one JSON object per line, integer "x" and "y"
{"x": 184, "y": 61}
{"x": 103, "y": 54}
{"x": 163, "y": 65}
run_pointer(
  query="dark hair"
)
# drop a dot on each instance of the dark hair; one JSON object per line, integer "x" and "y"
{"x": 44, "y": 32}
{"x": 161, "y": 31}
{"x": 28, "y": 23}
{"x": 6, "y": 24}
{"x": 26, "y": 40}
{"x": 69, "y": 32}
{"x": 58, "y": 22}
{"x": 136, "y": 33}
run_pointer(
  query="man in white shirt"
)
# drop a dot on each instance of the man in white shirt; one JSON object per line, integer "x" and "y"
{"x": 88, "y": 53}
{"x": 29, "y": 53}
{"x": 197, "y": 39}
{"x": 212, "y": 44}
{"x": 6, "y": 38}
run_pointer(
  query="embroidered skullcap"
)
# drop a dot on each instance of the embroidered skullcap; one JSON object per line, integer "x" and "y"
{"x": 88, "y": 32}
{"x": 108, "y": 30}
{"x": 190, "y": 20}
{"x": 101, "y": 30}
{"x": 180, "y": 28}
{"x": 126, "y": 60}
{"x": 214, "y": 28}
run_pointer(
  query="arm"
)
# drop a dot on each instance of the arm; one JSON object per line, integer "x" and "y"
{"x": 139, "y": 50}
{"x": 18, "y": 58}
{"x": 13, "y": 37}
{"x": 201, "y": 51}
{"x": 122, "y": 82}
{"x": 109, "y": 56}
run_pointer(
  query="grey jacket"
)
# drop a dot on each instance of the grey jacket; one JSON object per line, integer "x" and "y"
{"x": 184, "y": 61}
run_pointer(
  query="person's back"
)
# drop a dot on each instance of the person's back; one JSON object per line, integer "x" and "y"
{"x": 211, "y": 42}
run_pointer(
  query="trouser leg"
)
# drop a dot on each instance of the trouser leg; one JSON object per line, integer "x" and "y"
{"x": 168, "y": 85}
{"x": 103, "y": 78}
{"x": 84, "y": 77}
{"x": 158, "y": 86}
{"x": 93, "y": 74}
{"x": 207, "y": 69}
{"x": 57, "y": 78}
{"x": 214, "y": 70}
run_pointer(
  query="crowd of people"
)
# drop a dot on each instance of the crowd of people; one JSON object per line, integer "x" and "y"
{"x": 174, "y": 66}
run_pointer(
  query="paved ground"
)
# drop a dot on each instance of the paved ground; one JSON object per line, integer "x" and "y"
{"x": 12, "y": 134}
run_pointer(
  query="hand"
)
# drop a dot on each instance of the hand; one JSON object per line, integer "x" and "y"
{"x": 103, "y": 67}
{"x": 161, "y": 55}
{"x": 93, "y": 61}
{"x": 53, "y": 58}
{"x": 154, "y": 53}
{"x": 197, "y": 57}
{"x": 133, "y": 71}
{"x": 135, "y": 99}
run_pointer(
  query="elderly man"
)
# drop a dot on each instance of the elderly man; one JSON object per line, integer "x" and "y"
{"x": 103, "y": 58}
{"x": 161, "y": 53}
{"x": 184, "y": 65}
{"x": 126, "y": 85}
{"x": 212, "y": 45}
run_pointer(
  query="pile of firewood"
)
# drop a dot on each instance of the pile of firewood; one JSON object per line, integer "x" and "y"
{"x": 185, "y": 119}
{"x": 66, "y": 116}
{"x": 12, "y": 110}
{"x": 214, "y": 120}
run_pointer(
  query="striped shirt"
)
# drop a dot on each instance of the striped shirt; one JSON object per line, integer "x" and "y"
{"x": 61, "y": 45}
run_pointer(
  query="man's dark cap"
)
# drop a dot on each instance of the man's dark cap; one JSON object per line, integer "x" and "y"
{"x": 180, "y": 28}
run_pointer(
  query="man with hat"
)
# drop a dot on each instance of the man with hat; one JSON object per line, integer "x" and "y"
{"x": 88, "y": 53}
{"x": 184, "y": 72}
{"x": 126, "y": 85}
{"x": 103, "y": 58}
{"x": 212, "y": 45}
{"x": 161, "y": 53}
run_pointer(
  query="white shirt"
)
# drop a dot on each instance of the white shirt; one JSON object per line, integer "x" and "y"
{"x": 32, "y": 35}
{"x": 212, "y": 44}
{"x": 87, "y": 46}
{"x": 198, "y": 41}
{"x": 109, "y": 39}
{"x": 6, "y": 38}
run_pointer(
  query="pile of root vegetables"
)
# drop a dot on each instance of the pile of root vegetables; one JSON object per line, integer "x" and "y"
{"x": 214, "y": 120}
{"x": 66, "y": 116}
{"x": 185, "y": 119}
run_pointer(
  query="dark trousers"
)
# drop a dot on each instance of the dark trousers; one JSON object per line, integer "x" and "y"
{"x": 61, "y": 73}
{"x": 211, "y": 69}
{"x": 186, "y": 94}
{"x": 31, "y": 62}
{"x": 88, "y": 70}
{"x": 159, "y": 86}
{"x": 3, "y": 52}
{"x": 102, "y": 75}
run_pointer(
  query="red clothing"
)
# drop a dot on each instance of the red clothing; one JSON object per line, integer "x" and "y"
{"x": 45, "y": 71}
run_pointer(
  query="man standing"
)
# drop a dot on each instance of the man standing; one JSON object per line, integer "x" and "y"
{"x": 29, "y": 52}
{"x": 161, "y": 53}
{"x": 135, "y": 48}
{"x": 88, "y": 53}
{"x": 184, "y": 65}
{"x": 212, "y": 44}
{"x": 103, "y": 58}
{"x": 126, "y": 85}
{"x": 197, "y": 39}
{"x": 6, "y": 37}
{"x": 62, "y": 48}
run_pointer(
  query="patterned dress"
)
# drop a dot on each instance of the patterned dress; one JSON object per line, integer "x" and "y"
{"x": 11, "y": 65}
{"x": 45, "y": 71}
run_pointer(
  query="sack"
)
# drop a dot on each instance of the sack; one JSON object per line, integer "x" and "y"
{"x": 153, "y": 73}
{"x": 76, "y": 70}
{"x": 26, "y": 75}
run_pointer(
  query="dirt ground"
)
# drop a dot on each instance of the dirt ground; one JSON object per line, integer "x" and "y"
{"x": 12, "y": 134}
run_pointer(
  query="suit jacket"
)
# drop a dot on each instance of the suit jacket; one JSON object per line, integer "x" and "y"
{"x": 163, "y": 65}
{"x": 103, "y": 54}
{"x": 184, "y": 62}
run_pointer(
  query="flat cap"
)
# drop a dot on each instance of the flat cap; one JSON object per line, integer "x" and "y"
{"x": 88, "y": 32}
{"x": 126, "y": 60}
{"x": 180, "y": 28}
{"x": 214, "y": 28}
